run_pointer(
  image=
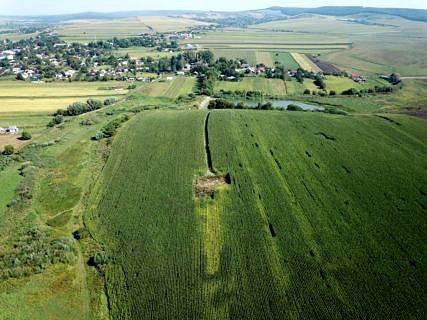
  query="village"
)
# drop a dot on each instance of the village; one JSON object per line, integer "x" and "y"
{"x": 46, "y": 58}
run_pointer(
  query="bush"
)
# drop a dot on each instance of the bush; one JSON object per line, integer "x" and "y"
{"x": 294, "y": 107}
{"x": 332, "y": 93}
{"x": 94, "y": 104}
{"x": 25, "y": 136}
{"x": 99, "y": 259}
{"x": 307, "y": 91}
{"x": 8, "y": 150}
{"x": 265, "y": 106}
{"x": 350, "y": 92}
{"x": 86, "y": 122}
{"x": 109, "y": 101}
{"x": 81, "y": 233}
{"x": 56, "y": 120}
{"x": 98, "y": 136}
{"x": 220, "y": 104}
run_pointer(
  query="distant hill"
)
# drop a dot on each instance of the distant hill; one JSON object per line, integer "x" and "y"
{"x": 100, "y": 15}
{"x": 411, "y": 14}
{"x": 240, "y": 18}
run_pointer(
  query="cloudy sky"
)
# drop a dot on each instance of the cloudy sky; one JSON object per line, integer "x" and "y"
{"x": 25, "y": 7}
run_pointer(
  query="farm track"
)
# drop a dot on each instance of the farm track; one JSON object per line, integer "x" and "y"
{"x": 415, "y": 77}
{"x": 204, "y": 103}
{"x": 58, "y": 97}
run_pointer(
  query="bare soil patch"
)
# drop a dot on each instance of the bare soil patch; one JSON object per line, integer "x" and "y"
{"x": 12, "y": 140}
{"x": 205, "y": 186}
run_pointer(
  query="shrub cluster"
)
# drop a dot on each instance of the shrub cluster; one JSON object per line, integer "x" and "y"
{"x": 376, "y": 89}
{"x": 57, "y": 119}
{"x": 224, "y": 104}
{"x": 25, "y": 135}
{"x": 4, "y": 161}
{"x": 78, "y": 108}
{"x": 34, "y": 252}
{"x": 110, "y": 128}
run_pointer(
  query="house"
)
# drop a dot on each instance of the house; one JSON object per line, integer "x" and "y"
{"x": 189, "y": 46}
{"x": 357, "y": 78}
{"x": 13, "y": 129}
{"x": 9, "y": 130}
{"x": 260, "y": 69}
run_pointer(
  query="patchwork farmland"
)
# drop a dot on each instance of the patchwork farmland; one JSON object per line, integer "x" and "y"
{"x": 198, "y": 188}
{"x": 261, "y": 40}
{"x": 92, "y": 30}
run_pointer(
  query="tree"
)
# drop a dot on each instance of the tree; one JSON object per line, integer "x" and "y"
{"x": 25, "y": 136}
{"x": 294, "y": 107}
{"x": 319, "y": 82}
{"x": 99, "y": 259}
{"x": 8, "y": 150}
{"x": 299, "y": 76}
{"x": 394, "y": 78}
{"x": 206, "y": 56}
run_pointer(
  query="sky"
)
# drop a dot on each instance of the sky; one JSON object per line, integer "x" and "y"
{"x": 34, "y": 7}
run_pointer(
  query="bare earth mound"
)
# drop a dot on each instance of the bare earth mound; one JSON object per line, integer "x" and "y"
{"x": 205, "y": 186}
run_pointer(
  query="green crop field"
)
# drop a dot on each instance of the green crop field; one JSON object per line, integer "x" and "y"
{"x": 286, "y": 59}
{"x": 91, "y": 30}
{"x": 252, "y": 57}
{"x": 179, "y": 86}
{"x": 265, "y": 58}
{"x": 249, "y": 56}
{"x": 19, "y": 96}
{"x": 267, "y": 86}
{"x": 324, "y": 214}
{"x": 339, "y": 84}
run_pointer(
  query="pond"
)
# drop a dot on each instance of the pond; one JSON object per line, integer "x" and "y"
{"x": 282, "y": 104}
